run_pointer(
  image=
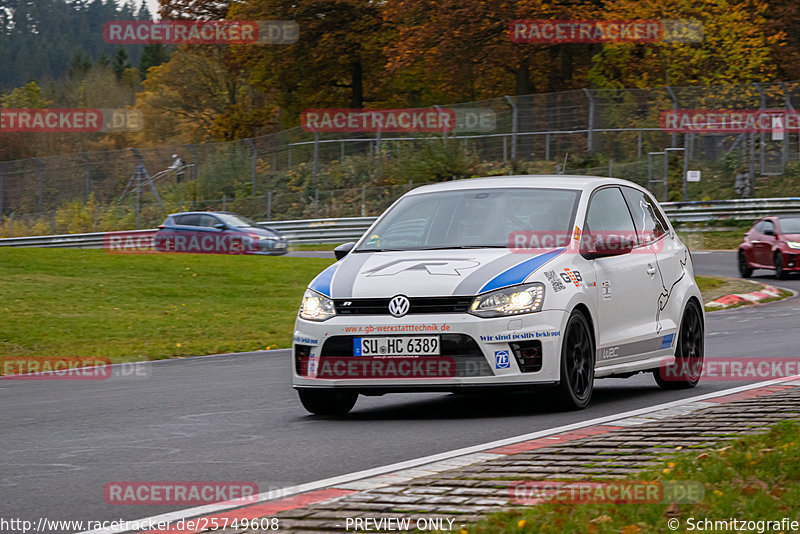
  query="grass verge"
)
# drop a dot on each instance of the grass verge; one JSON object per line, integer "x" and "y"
{"x": 153, "y": 306}
{"x": 755, "y": 478}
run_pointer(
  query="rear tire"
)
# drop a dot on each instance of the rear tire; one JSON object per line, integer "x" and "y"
{"x": 327, "y": 401}
{"x": 577, "y": 364}
{"x": 744, "y": 270}
{"x": 780, "y": 274}
{"x": 688, "y": 367}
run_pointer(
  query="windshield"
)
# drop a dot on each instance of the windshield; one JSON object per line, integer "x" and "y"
{"x": 789, "y": 225}
{"x": 235, "y": 221}
{"x": 474, "y": 218}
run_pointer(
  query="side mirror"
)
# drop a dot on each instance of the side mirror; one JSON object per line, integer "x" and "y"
{"x": 220, "y": 226}
{"x": 342, "y": 250}
{"x": 610, "y": 245}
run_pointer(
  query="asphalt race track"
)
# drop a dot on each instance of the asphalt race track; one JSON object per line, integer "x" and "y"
{"x": 236, "y": 418}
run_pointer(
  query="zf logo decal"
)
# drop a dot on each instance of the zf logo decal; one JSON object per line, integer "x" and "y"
{"x": 501, "y": 359}
{"x": 572, "y": 276}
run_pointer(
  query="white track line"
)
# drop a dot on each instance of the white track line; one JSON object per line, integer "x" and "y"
{"x": 358, "y": 475}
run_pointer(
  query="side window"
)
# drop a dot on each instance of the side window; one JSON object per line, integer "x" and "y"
{"x": 207, "y": 221}
{"x": 649, "y": 224}
{"x": 768, "y": 228}
{"x": 759, "y": 227}
{"x": 187, "y": 220}
{"x": 608, "y": 214}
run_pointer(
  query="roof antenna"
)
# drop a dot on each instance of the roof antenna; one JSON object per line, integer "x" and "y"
{"x": 564, "y": 166}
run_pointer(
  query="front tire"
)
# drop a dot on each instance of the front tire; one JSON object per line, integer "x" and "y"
{"x": 327, "y": 401}
{"x": 780, "y": 274}
{"x": 688, "y": 367}
{"x": 744, "y": 270}
{"x": 577, "y": 365}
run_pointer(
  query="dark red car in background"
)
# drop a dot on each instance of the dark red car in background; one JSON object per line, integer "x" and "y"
{"x": 772, "y": 243}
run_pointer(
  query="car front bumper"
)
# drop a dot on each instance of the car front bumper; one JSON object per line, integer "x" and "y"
{"x": 484, "y": 352}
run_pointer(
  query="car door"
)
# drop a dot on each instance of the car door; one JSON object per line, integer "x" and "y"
{"x": 625, "y": 284}
{"x": 760, "y": 243}
{"x": 670, "y": 258}
{"x": 768, "y": 243}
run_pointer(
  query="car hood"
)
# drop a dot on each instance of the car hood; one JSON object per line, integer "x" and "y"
{"x": 428, "y": 272}
{"x": 791, "y": 237}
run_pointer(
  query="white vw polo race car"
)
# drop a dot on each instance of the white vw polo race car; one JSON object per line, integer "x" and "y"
{"x": 512, "y": 282}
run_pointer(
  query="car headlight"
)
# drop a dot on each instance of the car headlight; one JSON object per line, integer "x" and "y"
{"x": 316, "y": 307}
{"x": 793, "y": 244}
{"x": 514, "y": 300}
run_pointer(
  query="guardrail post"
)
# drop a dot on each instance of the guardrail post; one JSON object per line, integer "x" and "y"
{"x": 674, "y": 109}
{"x": 513, "y": 105}
{"x": 590, "y": 128}
{"x": 254, "y": 165}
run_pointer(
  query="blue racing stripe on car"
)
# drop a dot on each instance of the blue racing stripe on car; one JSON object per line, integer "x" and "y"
{"x": 518, "y": 273}
{"x": 322, "y": 283}
{"x": 666, "y": 341}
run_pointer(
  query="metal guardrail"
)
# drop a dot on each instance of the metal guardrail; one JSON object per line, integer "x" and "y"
{"x": 740, "y": 209}
{"x": 320, "y": 231}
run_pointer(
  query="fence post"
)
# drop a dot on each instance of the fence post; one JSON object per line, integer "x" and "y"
{"x": 254, "y": 165}
{"x": 316, "y": 203}
{"x": 224, "y": 201}
{"x": 316, "y": 158}
{"x": 11, "y": 225}
{"x": 787, "y": 103}
{"x": 761, "y": 136}
{"x": 610, "y": 168}
{"x": 505, "y": 148}
{"x": 513, "y": 105}
{"x": 194, "y": 160}
{"x": 444, "y": 130}
{"x": 639, "y": 145}
{"x": 674, "y": 109}
{"x": 590, "y": 128}
{"x": 686, "y": 143}
{"x": 547, "y": 146}
{"x": 40, "y": 165}
{"x": 363, "y": 200}
{"x": 85, "y": 157}
{"x": 269, "y": 206}
{"x": 2, "y": 190}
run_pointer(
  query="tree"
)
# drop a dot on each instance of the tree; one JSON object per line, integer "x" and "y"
{"x": 736, "y": 48}
{"x": 120, "y": 62}
{"x": 152, "y": 55}
{"x": 338, "y": 60}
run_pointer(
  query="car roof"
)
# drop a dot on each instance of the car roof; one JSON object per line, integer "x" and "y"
{"x": 550, "y": 181}
{"x": 203, "y": 213}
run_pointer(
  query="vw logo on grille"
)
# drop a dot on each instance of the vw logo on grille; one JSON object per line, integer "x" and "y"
{"x": 398, "y": 306}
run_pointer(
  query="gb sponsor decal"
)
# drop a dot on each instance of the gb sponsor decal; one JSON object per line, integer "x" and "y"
{"x": 501, "y": 359}
{"x": 573, "y": 277}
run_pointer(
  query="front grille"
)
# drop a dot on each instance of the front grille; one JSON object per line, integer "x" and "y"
{"x": 418, "y": 305}
{"x": 461, "y": 348}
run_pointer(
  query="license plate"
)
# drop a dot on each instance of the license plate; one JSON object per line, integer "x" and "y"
{"x": 396, "y": 346}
